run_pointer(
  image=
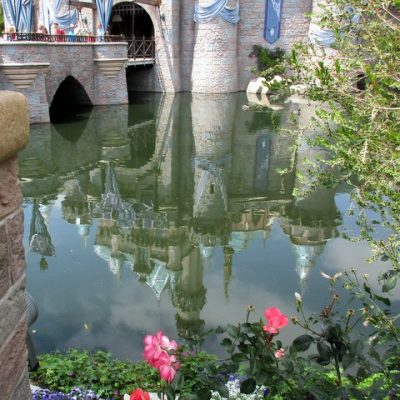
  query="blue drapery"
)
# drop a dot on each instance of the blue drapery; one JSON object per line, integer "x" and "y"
{"x": 104, "y": 9}
{"x": 18, "y": 13}
{"x": 217, "y": 8}
{"x": 51, "y": 15}
{"x": 272, "y": 28}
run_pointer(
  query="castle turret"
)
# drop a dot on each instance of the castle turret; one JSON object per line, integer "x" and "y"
{"x": 215, "y": 67}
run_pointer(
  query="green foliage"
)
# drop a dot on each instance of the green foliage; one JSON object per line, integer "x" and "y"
{"x": 270, "y": 62}
{"x": 111, "y": 378}
{"x": 359, "y": 85}
{"x": 99, "y": 371}
{"x": 1, "y": 18}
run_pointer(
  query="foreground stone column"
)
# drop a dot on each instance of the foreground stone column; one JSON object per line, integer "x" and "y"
{"x": 14, "y": 122}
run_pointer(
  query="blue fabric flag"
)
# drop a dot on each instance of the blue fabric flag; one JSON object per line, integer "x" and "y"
{"x": 272, "y": 29}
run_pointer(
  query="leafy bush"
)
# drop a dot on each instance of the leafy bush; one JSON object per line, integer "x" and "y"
{"x": 270, "y": 62}
{"x": 105, "y": 375}
{"x": 109, "y": 377}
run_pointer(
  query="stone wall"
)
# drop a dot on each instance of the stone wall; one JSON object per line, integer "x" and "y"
{"x": 51, "y": 63}
{"x": 14, "y": 120}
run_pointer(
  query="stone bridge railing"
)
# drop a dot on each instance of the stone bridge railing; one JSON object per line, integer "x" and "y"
{"x": 37, "y": 68}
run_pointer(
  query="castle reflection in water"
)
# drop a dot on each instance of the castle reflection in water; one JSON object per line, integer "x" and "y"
{"x": 170, "y": 185}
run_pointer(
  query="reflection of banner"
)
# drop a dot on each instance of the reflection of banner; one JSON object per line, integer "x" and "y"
{"x": 272, "y": 26}
{"x": 39, "y": 238}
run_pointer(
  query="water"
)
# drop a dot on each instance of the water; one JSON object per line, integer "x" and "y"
{"x": 171, "y": 214}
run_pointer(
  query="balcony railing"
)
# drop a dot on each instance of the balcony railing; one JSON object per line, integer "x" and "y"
{"x": 140, "y": 48}
{"x": 40, "y": 37}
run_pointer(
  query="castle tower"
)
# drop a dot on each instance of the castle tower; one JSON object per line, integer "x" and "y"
{"x": 215, "y": 67}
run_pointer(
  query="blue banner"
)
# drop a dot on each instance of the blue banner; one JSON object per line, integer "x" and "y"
{"x": 272, "y": 28}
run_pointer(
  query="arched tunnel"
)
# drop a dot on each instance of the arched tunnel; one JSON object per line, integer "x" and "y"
{"x": 69, "y": 100}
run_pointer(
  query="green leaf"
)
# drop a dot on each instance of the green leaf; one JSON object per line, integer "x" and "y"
{"x": 233, "y": 331}
{"x": 248, "y": 386}
{"x": 389, "y": 284}
{"x": 204, "y": 394}
{"x": 170, "y": 392}
{"x": 226, "y": 342}
{"x": 324, "y": 352}
{"x": 238, "y": 357}
{"x": 302, "y": 343}
{"x": 178, "y": 380}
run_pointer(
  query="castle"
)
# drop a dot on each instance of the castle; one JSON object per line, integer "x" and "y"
{"x": 200, "y": 46}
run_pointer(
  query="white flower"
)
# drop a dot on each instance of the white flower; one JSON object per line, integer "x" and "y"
{"x": 326, "y": 276}
{"x": 298, "y": 297}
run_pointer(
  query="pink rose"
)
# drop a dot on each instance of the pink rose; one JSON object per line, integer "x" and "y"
{"x": 167, "y": 365}
{"x": 155, "y": 345}
{"x": 275, "y": 320}
{"x": 157, "y": 349}
{"x": 138, "y": 394}
{"x": 279, "y": 354}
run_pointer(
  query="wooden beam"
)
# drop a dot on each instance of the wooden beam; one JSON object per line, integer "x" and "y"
{"x": 83, "y": 4}
{"x": 92, "y": 3}
{"x": 149, "y": 2}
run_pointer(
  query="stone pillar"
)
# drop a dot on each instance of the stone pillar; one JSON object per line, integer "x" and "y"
{"x": 109, "y": 74}
{"x": 14, "y": 120}
{"x": 215, "y": 68}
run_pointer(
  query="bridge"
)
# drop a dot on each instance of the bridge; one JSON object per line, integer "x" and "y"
{"x": 88, "y": 70}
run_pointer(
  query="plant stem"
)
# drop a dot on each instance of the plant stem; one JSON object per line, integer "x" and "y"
{"x": 337, "y": 367}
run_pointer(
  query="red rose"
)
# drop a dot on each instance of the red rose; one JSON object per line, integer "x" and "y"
{"x": 138, "y": 394}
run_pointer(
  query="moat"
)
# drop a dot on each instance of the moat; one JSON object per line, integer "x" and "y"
{"x": 173, "y": 213}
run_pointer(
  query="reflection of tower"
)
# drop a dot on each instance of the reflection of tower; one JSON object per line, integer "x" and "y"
{"x": 228, "y": 259}
{"x": 75, "y": 206}
{"x": 113, "y": 131}
{"x": 306, "y": 256}
{"x": 213, "y": 119}
{"x": 39, "y": 237}
{"x": 189, "y": 295}
{"x": 111, "y": 201}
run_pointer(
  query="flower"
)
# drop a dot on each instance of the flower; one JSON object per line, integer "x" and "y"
{"x": 157, "y": 349}
{"x": 155, "y": 345}
{"x": 275, "y": 320}
{"x": 279, "y": 353}
{"x": 298, "y": 297}
{"x": 167, "y": 365}
{"x": 138, "y": 394}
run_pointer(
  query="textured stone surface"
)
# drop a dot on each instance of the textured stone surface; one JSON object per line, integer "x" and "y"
{"x": 22, "y": 391}
{"x": 66, "y": 59}
{"x": 12, "y": 308}
{"x": 13, "y": 360}
{"x": 10, "y": 192}
{"x": 13, "y": 355}
{"x": 15, "y": 227}
{"x": 14, "y": 124}
{"x": 5, "y": 278}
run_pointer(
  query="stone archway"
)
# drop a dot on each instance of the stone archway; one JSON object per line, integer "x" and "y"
{"x": 131, "y": 20}
{"x": 69, "y": 99}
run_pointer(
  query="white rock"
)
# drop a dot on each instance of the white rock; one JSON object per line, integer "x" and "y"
{"x": 262, "y": 100}
{"x": 256, "y": 85}
{"x": 298, "y": 89}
